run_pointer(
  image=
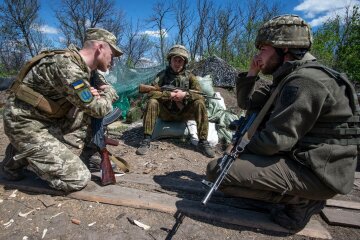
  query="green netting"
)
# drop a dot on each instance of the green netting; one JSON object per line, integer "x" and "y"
{"x": 126, "y": 81}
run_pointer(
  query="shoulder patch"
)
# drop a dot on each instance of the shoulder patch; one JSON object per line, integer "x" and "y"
{"x": 78, "y": 84}
{"x": 288, "y": 95}
{"x": 85, "y": 95}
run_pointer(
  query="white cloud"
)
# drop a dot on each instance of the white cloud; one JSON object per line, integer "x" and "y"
{"x": 155, "y": 33}
{"x": 49, "y": 30}
{"x": 317, "y": 12}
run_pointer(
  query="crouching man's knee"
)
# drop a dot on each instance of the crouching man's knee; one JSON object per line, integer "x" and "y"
{"x": 75, "y": 182}
{"x": 212, "y": 170}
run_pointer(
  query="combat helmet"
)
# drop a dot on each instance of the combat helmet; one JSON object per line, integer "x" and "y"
{"x": 178, "y": 50}
{"x": 285, "y": 31}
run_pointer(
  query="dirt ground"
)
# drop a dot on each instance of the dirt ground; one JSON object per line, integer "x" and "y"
{"x": 52, "y": 215}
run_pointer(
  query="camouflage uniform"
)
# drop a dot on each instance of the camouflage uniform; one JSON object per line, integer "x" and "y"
{"x": 37, "y": 137}
{"x": 304, "y": 151}
{"x": 160, "y": 105}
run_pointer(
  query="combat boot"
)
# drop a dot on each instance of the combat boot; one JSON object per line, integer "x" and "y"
{"x": 295, "y": 216}
{"x": 144, "y": 146}
{"x": 8, "y": 169}
{"x": 90, "y": 156}
{"x": 204, "y": 147}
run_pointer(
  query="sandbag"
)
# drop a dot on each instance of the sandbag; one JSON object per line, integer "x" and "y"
{"x": 166, "y": 129}
{"x": 206, "y": 85}
{"x": 212, "y": 138}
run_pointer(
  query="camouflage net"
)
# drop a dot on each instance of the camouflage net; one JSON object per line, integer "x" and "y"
{"x": 126, "y": 81}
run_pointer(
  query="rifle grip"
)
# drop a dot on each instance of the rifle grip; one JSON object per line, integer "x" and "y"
{"x": 107, "y": 173}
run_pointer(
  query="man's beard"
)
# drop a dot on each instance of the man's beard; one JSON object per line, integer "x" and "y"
{"x": 275, "y": 61}
{"x": 103, "y": 67}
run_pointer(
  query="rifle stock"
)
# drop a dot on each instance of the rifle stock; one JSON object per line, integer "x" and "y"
{"x": 100, "y": 140}
{"x": 147, "y": 88}
{"x": 107, "y": 173}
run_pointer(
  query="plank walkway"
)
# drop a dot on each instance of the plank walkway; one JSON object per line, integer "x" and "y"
{"x": 135, "y": 198}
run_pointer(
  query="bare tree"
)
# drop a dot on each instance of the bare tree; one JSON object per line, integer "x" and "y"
{"x": 136, "y": 46}
{"x": 75, "y": 16}
{"x": 12, "y": 55}
{"x": 184, "y": 18}
{"x": 160, "y": 11}
{"x": 210, "y": 34}
{"x": 227, "y": 20}
{"x": 20, "y": 23}
{"x": 251, "y": 17}
{"x": 196, "y": 40}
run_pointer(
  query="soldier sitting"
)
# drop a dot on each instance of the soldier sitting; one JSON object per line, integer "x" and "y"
{"x": 177, "y": 105}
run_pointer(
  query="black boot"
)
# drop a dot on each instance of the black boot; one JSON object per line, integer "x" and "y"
{"x": 295, "y": 216}
{"x": 144, "y": 146}
{"x": 10, "y": 170}
{"x": 204, "y": 147}
{"x": 91, "y": 158}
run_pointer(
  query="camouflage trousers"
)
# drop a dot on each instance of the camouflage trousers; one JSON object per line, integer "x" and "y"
{"x": 193, "y": 111}
{"x": 273, "y": 179}
{"x": 39, "y": 148}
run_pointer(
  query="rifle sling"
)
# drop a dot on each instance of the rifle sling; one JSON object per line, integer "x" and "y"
{"x": 264, "y": 110}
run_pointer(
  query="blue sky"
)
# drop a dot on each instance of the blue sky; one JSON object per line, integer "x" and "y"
{"x": 315, "y": 12}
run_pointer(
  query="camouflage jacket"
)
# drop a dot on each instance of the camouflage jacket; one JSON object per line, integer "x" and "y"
{"x": 184, "y": 79}
{"x": 310, "y": 100}
{"x": 63, "y": 76}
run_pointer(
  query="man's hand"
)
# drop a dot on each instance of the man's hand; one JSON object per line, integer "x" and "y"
{"x": 177, "y": 95}
{"x": 255, "y": 67}
{"x": 95, "y": 92}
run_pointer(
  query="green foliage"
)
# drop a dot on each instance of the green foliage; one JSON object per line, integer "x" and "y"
{"x": 337, "y": 43}
{"x": 326, "y": 42}
{"x": 5, "y": 73}
{"x": 349, "y": 51}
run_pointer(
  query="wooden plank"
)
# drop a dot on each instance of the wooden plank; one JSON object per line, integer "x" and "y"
{"x": 340, "y": 217}
{"x": 117, "y": 195}
{"x": 343, "y": 204}
{"x": 164, "y": 182}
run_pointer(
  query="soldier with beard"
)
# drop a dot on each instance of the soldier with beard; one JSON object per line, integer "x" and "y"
{"x": 305, "y": 149}
{"x": 177, "y": 105}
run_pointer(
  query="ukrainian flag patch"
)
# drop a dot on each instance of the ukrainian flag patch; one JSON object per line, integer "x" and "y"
{"x": 78, "y": 84}
{"x": 85, "y": 95}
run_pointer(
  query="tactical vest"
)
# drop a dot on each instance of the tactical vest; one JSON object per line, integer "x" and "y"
{"x": 343, "y": 132}
{"x": 51, "y": 108}
{"x": 181, "y": 80}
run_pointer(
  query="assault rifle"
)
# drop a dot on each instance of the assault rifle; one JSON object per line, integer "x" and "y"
{"x": 148, "y": 88}
{"x": 100, "y": 141}
{"x": 239, "y": 143}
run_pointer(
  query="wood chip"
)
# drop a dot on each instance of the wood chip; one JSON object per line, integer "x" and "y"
{"x": 13, "y": 194}
{"x": 75, "y": 221}
{"x": 44, "y": 233}
{"x": 26, "y": 214}
{"x": 139, "y": 224}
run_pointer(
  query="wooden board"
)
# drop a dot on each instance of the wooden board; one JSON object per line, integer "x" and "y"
{"x": 343, "y": 204}
{"x": 164, "y": 182}
{"x": 340, "y": 217}
{"x": 128, "y": 197}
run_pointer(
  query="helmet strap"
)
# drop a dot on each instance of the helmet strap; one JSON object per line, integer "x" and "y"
{"x": 281, "y": 53}
{"x": 298, "y": 53}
